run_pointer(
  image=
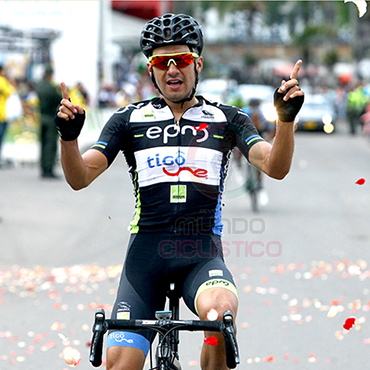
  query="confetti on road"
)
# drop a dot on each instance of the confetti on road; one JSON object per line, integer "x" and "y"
{"x": 79, "y": 290}
{"x": 360, "y": 181}
{"x": 72, "y": 289}
{"x": 269, "y": 359}
{"x": 333, "y": 311}
{"x": 349, "y": 323}
{"x": 72, "y": 356}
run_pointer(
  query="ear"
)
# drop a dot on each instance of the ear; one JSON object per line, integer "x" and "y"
{"x": 199, "y": 64}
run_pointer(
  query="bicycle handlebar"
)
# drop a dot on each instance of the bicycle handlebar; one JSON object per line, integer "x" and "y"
{"x": 226, "y": 327}
{"x": 231, "y": 346}
{"x": 99, "y": 329}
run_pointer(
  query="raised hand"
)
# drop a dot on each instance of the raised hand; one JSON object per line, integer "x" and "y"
{"x": 288, "y": 98}
{"x": 68, "y": 110}
{"x": 70, "y": 118}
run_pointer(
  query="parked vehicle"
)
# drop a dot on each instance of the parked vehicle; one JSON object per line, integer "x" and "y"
{"x": 316, "y": 114}
{"x": 255, "y": 91}
{"x": 264, "y": 93}
{"x": 217, "y": 89}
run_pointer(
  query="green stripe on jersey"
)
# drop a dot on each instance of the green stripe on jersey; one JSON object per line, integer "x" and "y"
{"x": 134, "y": 224}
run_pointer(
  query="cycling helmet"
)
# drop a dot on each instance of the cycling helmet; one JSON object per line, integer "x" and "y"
{"x": 171, "y": 29}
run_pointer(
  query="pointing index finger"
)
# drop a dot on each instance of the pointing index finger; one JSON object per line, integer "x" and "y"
{"x": 65, "y": 93}
{"x": 296, "y": 69}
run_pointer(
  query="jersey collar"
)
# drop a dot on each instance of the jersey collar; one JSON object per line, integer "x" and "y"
{"x": 160, "y": 103}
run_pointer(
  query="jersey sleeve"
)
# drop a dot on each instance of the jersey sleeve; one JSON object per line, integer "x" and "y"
{"x": 246, "y": 132}
{"x": 112, "y": 138}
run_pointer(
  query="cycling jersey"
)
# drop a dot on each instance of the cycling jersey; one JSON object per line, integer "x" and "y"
{"x": 178, "y": 169}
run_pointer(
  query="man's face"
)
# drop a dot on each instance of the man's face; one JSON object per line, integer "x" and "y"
{"x": 175, "y": 83}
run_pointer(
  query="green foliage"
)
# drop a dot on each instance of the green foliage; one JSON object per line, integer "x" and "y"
{"x": 314, "y": 33}
{"x": 330, "y": 58}
{"x": 250, "y": 59}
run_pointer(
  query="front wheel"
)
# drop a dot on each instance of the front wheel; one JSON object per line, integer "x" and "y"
{"x": 254, "y": 200}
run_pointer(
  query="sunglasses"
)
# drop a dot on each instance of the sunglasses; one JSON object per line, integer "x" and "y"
{"x": 180, "y": 60}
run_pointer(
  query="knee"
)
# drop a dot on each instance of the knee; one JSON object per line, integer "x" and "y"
{"x": 212, "y": 305}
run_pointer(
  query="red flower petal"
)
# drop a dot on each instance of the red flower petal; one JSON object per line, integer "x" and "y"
{"x": 212, "y": 341}
{"x": 360, "y": 181}
{"x": 349, "y": 323}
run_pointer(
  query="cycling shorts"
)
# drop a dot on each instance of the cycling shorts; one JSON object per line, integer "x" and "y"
{"x": 193, "y": 263}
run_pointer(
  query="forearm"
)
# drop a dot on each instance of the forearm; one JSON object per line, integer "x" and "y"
{"x": 73, "y": 165}
{"x": 279, "y": 161}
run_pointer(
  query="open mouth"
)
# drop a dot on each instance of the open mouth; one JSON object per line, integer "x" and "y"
{"x": 174, "y": 83}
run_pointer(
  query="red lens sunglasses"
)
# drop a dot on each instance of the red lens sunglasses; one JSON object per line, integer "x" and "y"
{"x": 180, "y": 60}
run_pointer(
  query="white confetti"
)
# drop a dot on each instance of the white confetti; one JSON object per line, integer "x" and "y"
{"x": 72, "y": 356}
{"x": 361, "y": 6}
{"x": 64, "y": 339}
{"x": 354, "y": 270}
{"x": 212, "y": 315}
{"x": 333, "y": 311}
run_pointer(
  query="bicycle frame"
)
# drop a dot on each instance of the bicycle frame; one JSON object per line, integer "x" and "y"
{"x": 253, "y": 175}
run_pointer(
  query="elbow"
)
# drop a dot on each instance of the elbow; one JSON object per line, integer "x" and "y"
{"x": 76, "y": 186}
{"x": 279, "y": 175}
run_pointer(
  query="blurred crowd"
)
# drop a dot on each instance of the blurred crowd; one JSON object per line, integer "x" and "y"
{"x": 23, "y": 103}
{"x": 136, "y": 88}
{"x": 20, "y": 116}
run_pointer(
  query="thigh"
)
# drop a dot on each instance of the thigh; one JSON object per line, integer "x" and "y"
{"x": 140, "y": 293}
{"x": 207, "y": 275}
{"x": 125, "y": 358}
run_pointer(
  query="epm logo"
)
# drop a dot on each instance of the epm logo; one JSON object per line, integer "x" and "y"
{"x": 173, "y": 130}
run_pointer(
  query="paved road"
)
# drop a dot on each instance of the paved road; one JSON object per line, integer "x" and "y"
{"x": 305, "y": 251}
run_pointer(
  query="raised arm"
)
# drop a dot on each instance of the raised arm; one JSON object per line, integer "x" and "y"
{"x": 79, "y": 170}
{"x": 275, "y": 160}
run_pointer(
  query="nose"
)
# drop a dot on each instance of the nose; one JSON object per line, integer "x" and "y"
{"x": 172, "y": 67}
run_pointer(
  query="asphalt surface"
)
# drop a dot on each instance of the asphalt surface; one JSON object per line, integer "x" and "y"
{"x": 302, "y": 258}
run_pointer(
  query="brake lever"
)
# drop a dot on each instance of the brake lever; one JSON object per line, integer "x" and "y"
{"x": 99, "y": 329}
{"x": 231, "y": 346}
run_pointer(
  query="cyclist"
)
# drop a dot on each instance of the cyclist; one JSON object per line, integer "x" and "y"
{"x": 265, "y": 129}
{"x": 177, "y": 148}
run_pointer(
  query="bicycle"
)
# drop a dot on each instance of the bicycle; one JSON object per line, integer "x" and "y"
{"x": 167, "y": 355}
{"x": 253, "y": 185}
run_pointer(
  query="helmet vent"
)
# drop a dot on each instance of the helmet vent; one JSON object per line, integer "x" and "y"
{"x": 167, "y": 33}
{"x": 173, "y": 29}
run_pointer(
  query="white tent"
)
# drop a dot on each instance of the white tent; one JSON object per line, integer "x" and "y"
{"x": 126, "y": 30}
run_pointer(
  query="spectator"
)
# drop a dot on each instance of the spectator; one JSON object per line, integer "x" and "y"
{"x": 79, "y": 94}
{"x": 107, "y": 96}
{"x": 6, "y": 89}
{"x": 50, "y": 96}
{"x": 356, "y": 106}
{"x": 365, "y": 120}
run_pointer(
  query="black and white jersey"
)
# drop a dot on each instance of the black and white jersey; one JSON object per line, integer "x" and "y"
{"x": 178, "y": 169}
